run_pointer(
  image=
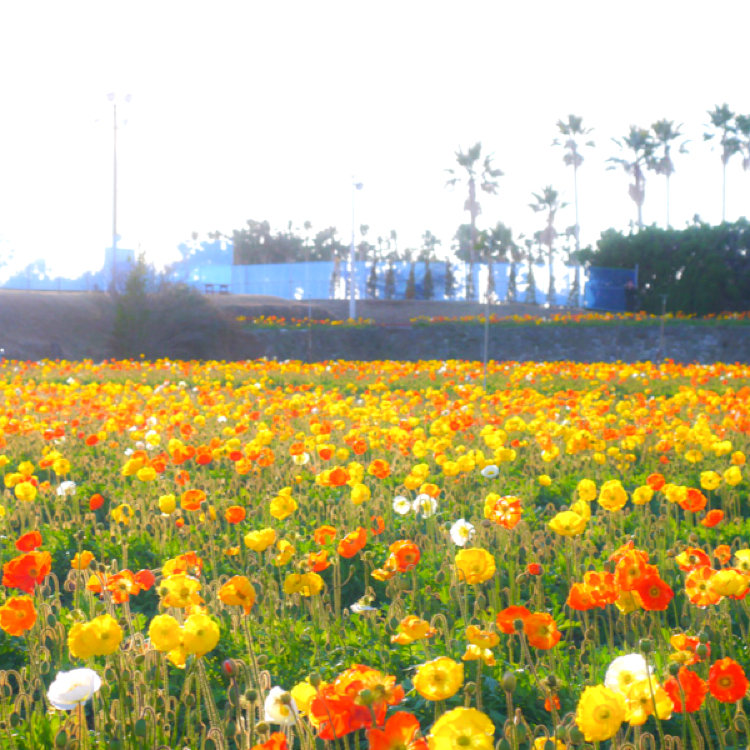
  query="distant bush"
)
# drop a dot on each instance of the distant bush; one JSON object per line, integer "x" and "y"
{"x": 701, "y": 270}
{"x": 157, "y": 319}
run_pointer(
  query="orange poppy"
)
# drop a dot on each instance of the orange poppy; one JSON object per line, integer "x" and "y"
{"x": 504, "y": 511}
{"x": 406, "y": 555}
{"x": 631, "y": 569}
{"x": 122, "y": 586}
{"x": 712, "y": 518}
{"x": 338, "y": 477}
{"x": 693, "y": 687}
{"x": 694, "y": 500}
{"x": 691, "y": 558}
{"x": 192, "y": 499}
{"x": 324, "y": 534}
{"x": 235, "y": 514}
{"x": 399, "y": 733}
{"x": 17, "y": 615}
{"x": 318, "y": 561}
{"x": 378, "y": 525}
{"x": 582, "y": 598}
{"x": 727, "y": 681}
{"x": 26, "y": 571}
{"x": 352, "y": 543}
{"x": 506, "y": 618}
{"x": 655, "y": 593}
{"x": 602, "y": 586}
{"x": 182, "y": 477}
{"x": 541, "y": 630}
{"x": 379, "y": 468}
{"x": 698, "y": 587}
{"x": 551, "y": 701}
{"x": 723, "y": 553}
{"x": 29, "y": 541}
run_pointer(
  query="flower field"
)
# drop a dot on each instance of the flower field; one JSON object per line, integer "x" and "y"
{"x": 388, "y": 555}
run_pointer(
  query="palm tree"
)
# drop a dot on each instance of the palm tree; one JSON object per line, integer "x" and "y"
{"x": 722, "y": 120}
{"x": 664, "y": 133}
{"x": 743, "y": 128}
{"x": 640, "y": 143}
{"x": 498, "y": 247}
{"x": 486, "y": 176}
{"x": 572, "y": 130}
{"x": 548, "y": 201}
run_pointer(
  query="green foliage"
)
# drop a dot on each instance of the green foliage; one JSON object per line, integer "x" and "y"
{"x": 702, "y": 269}
{"x": 165, "y": 320}
{"x": 411, "y": 285}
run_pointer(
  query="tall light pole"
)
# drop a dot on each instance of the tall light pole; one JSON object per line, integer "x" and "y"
{"x": 114, "y": 99}
{"x": 352, "y": 295}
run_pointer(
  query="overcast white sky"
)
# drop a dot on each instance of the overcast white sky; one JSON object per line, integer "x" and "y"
{"x": 265, "y": 110}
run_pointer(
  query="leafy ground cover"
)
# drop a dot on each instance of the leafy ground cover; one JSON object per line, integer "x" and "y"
{"x": 385, "y": 555}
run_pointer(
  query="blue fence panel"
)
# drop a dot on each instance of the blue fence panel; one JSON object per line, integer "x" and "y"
{"x": 606, "y": 288}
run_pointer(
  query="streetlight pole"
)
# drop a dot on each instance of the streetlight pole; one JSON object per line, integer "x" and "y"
{"x": 352, "y": 294}
{"x": 114, "y": 99}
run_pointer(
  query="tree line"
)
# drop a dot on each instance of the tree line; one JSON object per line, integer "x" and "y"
{"x": 641, "y": 150}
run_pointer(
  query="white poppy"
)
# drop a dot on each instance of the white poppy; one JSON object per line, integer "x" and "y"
{"x": 624, "y": 671}
{"x": 401, "y": 505}
{"x": 73, "y": 688}
{"x": 66, "y": 489}
{"x": 425, "y": 505}
{"x": 490, "y": 471}
{"x": 280, "y": 707}
{"x": 462, "y": 532}
{"x": 301, "y": 459}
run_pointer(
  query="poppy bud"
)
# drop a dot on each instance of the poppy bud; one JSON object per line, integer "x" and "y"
{"x": 315, "y": 680}
{"x": 674, "y": 668}
{"x": 229, "y": 667}
{"x": 508, "y": 682}
{"x": 251, "y": 695}
{"x": 645, "y": 646}
{"x": 576, "y": 736}
{"x": 262, "y": 727}
{"x": 518, "y": 625}
{"x": 701, "y": 651}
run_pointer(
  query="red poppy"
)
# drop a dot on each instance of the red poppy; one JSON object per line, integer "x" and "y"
{"x": 96, "y": 501}
{"x": 399, "y": 733}
{"x": 655, "y": 481}
{"x": 693, "y": 687}
{"x": 352, "y": 543}
{"x": 727, "y": 681}
{"x": 29, "y": 541}
{"x": 506, "y": 619}
{"x": 712, "y": 518}
{"x": 145, "y": 579}
{"x": 534, "y": 569}
{"x": 655, "y": 594}
{"x": 276, "y": 741}
{"x": 553, "y": 701}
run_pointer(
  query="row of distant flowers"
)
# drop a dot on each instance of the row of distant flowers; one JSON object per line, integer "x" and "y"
{"x": 589, "y": 318}
{"x": 557, "y": 319}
